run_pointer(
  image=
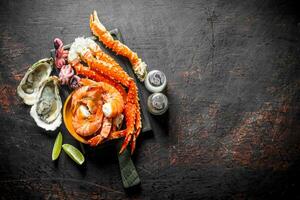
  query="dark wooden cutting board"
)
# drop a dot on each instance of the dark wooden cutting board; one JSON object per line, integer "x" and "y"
{"x": 128, "y": 171}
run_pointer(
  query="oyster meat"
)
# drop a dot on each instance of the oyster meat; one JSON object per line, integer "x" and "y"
{"x": 46, "y": 111}
{"x": 36, "y": 74}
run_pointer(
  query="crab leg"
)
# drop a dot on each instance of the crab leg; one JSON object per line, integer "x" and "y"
{"x": 85, "y": 71}
{"x": 100, "y": 55}
{"x": 130, "y": 110}
{"x": 100, "y": 31}
{"x": 116, "y": 135}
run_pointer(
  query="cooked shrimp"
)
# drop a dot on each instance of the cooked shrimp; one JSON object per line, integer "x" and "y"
{"x": 88, "y": 109}
{"x": 87, "y": 113}
{"x": 114, "y": 103}
{"x": 104, "y": 132}
{"x": 86, "y": 123}
{"x": 84, "y": 93}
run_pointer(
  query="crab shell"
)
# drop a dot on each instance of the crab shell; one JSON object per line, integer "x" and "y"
{"x": 46, "y": 111}
{"x": 35, "y": 75}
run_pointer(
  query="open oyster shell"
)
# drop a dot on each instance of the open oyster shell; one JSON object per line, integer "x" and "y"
{"x": 36, "y": 74}
{"x": 46, "y": 111}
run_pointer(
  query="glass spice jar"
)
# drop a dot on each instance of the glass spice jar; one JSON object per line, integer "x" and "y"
{"x": 155, "y": 81}
{"x": 157, "y": 103}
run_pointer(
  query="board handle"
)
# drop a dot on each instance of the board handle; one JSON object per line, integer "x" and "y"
{"x": 128, "y": 171}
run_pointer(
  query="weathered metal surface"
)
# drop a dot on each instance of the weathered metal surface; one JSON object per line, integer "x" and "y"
{"x": 232, "y": 129}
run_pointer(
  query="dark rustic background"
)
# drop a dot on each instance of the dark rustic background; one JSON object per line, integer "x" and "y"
{"x": 232, "y": 130}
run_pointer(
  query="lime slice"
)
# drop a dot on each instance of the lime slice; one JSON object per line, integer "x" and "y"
{"x": 74, "y": 153}
{"x": 57, "y": 146}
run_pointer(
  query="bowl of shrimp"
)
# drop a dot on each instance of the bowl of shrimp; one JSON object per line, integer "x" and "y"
{"x": 88, "y": 119}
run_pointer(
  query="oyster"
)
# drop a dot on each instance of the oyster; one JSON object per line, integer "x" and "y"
{"x": 46, "y": 111}
{"x": 36, "y": 74}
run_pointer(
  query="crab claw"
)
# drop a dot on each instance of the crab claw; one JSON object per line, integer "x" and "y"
{"x": 95, "y": 23}
{"x": 125, "y": 143}
{"x": 132, "y": 144}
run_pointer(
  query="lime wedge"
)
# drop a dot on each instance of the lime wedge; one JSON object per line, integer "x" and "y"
{"x": 57, "y": 146}
{"x": 74, "y": 153}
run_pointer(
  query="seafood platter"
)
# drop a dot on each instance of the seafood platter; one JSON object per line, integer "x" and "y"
{"x": 102, "y": 99}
